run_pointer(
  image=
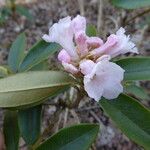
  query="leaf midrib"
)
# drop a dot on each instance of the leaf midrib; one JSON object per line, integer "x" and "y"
{"x": 136, "y": 71}
{"x": 36, "y": 88}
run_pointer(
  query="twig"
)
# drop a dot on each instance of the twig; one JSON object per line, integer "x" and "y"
{"x": 81, "y": 7}
{"x": 65, "y": 117}
{"x": 100, "y": 16}
{"x": 88, "y": 108}
{"x": 74, "y": 114}
{"x": 58, "y": 122}
{"x": 95, "y": 116}
{"x": 80, "y": 95}
{"x": 97, "y": 119}
{"x": 138, "y": 15}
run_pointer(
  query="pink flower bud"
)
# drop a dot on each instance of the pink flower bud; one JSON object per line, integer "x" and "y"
{"x": 63, "y": 56}
{"x": 70, "y": 68}
{"x": 80, "y": 39}
{"x": 94, "y": 42}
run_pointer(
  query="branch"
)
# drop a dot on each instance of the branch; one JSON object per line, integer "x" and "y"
{"x": 100, "y": 16}
{"x": 138, "y": 15}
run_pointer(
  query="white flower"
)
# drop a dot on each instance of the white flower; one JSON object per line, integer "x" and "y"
{"x": 62, "y": 33}
{"x": 90, "y": 56}
{"x": 104, "y": 80}
{"x": 116, "y": 44}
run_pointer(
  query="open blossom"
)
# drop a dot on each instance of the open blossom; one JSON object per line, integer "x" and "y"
{"x": 104, "y": 80}
{"x": 116, "y": 44}
{"x": 90, "y": 56}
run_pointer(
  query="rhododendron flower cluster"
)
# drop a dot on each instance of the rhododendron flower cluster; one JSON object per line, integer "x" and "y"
{"x": 90, "y": 56}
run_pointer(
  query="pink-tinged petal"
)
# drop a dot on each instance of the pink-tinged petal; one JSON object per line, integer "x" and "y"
{"x": 94, "y": 42}
{"x": 103, "y": 57}
{"x": 116, "y": 45}
{"x": 63, "y": 56}
{"x": 86, "y": 66}
{"x": 79, "y": 24}
{"x": 62, "y": 33}
{"x": 108, "y": 45}
{"x": 112, "y": 91}
{"x": 104, "y": 80}
{"x": 92, "y": 88}
{"x": 124, "y": 44}
{"x": 112, "y": 71}
{"x": 80, "y": 39}
{"x": 70, "y": 68}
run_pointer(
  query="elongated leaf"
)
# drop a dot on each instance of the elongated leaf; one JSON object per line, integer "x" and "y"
{"x": 78, "y": 137}
{"x": 31, "y": 87}
{"x": 91, "y": 30}
{"x": 131, "y": 117}
{"x": 11, "y": 130}
{"x": 137, "y": 91}
{"x": 30, "y": 123}
{"x": 25, "y": 12}
{"x": 136, "y": 68}
{"x": 16, "y": 53}
{"x": 131, "y": 4}
{"x": 41, "y": 66}
{"x": 37, "y": 54}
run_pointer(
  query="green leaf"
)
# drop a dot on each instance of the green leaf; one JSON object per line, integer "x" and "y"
{"x": 3, "y": 72}
{"x": 91, "y": 30}
{"x": 38, "y": 53}
{"x": 137, "y": 91}
{"x": 11, "y": 130}
{"x": 78, "y": 137}
{"x": 16, "y": 53}
{"x": 131, "y": 117}
{"x": 41, "y": 66}
{"x": 131, "y": 4}
{"x": 25, "y": 12}
{"x": 136, "y": 68}
{"x": 30, "y": 123}
{"x": 32, "y": 87}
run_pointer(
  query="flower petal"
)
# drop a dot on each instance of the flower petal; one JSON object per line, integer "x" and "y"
{"x": 79, "y": 24}
{"x": 86, "y": 66}
{"x": 62, "y": 33}
{"x": 63, "y": 56}
{"x": 80, "y": 39}
{"x": 46, "y": 38}
{"x": 94, "y": 42}
{"x": 70, "y": 68}
{"x": 124, "y": 44}
{"x": 104, "y": 80}
{"x": 112, "y": 91}
{"x": 108, "y": 45}
{"x": 92, "y": 88}
{"x": 103, "y": 57}
{"x": 116, "y": 45}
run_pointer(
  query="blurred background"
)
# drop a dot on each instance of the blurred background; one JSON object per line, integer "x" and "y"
{"x": 34, "y": 17}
